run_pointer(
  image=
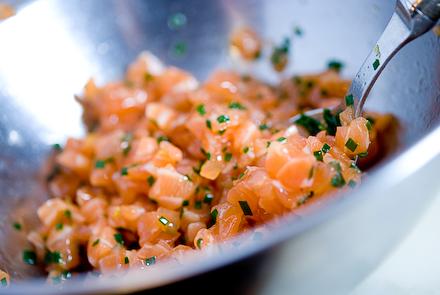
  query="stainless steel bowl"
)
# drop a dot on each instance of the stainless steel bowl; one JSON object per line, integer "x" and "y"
{"x": 51, "y": 47}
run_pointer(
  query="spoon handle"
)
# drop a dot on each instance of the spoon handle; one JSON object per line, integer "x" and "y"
{"x": 410, "y": 20}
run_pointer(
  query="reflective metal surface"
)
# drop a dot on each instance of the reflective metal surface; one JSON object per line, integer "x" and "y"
{"x": 51, "y": 47}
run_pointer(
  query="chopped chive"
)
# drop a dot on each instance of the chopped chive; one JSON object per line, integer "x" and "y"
{"x": 332, "y": 121}
{"x": 363, "y": 155}
{"x": 4, "y": 282}
{"x": 311, "y": 171}
{"x": 124, "y": 171}
{"x": 59, "y": 226}
{"x": 53, "y": 257}
{"x": 355, "y": 167}
{"x": 298, "y": 31}
{"x": 245, "y": 208}
{"x": 17, "y": 226}
{"x": 312, "y": 125}
{"x": 57, "y": 147}
{"x": 163, "y": 220}
{"x": 240, "y": 176}
{"x": 351, "y": 144}
{"x": 201, "y": 109}
{"x": 228, "y": 157}
{"x": 179, "y": 48}
{"x": 279, "y": 55}
{"x": 206, "y": 154}
{"x": 236, "y": 105}
{"x": 162, "y": 138}
{"x": 151, "y": 180}
{"x": 208, "y": 198}
{"x": 126, "y": 143}
{"x": 318, "y": 155}
{"x": 66, "y": 274}
{"x": 199, "y": 243}
{"x": 338, "y": 180}
{"x": 325, "y": 148}
{"x": 336, "y": 165}
{"x": 198, "y": 204}
{"x": 209, "y": 124}
{"x": 376, "y": 64}
{"x": 223, "y": 119}
{"x": 349, "y": 100}
{"x": 368, "y": 125}
{"x": 221, "y": 132}
{"x": 185, "y": 203}
{"x": 281, "y": 139}
{"x": 263, "y": 127}
{"x": 245, "y": 149}
{"x": 118, "y": 238}
{"x": 177, "y": 21}
{"x": 150, "y": 260}
{"x": 96, "y": 242}
{"x": 68, "y": 213}
{"x": 352, "y": 183}
{"x": 126, "y": 260}
{"x": 268, "y": 144}
{"x": 335, "y": 65}
{"x": 29, "y": 257}
{"x": 305, "y": 198}
{"x": 148, "y": 77}
{"x": 100, "y": 164}
{"x": 214, "y": 214}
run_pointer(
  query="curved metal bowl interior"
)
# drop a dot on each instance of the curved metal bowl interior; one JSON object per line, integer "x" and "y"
{"x": 51, "y": 47}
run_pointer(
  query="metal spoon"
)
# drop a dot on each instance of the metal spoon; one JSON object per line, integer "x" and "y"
{"x": 410, "y": 20}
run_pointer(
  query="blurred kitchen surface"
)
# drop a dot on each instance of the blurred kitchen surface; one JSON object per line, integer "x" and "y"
{"x": 414, "y": 266}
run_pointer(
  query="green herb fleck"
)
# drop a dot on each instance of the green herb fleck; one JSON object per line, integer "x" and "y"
{"x": 206, "y": 154}
{"x": 96, "y": 242}
{"x": 209, "y": 124}
{"x": 335, "y": 65}
{"x": 179, "y": 48}
{"x": 4, "y": 282}
{"x": 376, "y": 64}
{"x": 17, "y": 226}
{"x": 368, "y": 125}
{"x": 177, "y": 21}
{"x": 214, "y": 214}
{"x": 325, "y": 148}
{"x": 332, "y": 121}
{"x": 268, "y": 144}
{"x": 59, "y": 226}
{"x": 126, "y": 260}
{"x": 223, "y": 119}
{"x": 208, "y": 198}
{"x": 351, "y": 144}
{"x": 198, "y": 204}
{"x": 126, "y": 143}
{"x": 312, "y": 125}
{"x": 349, "y": 100}
{"x": 298, "y": 31}
{"x": 100, "y": 164}
{"x": 118, "y": 238}
{"x": 199, "y": 243}
{"x": 305, "y": 198}
{"x": 150, "y": 260}
{"x": 57, "y": 147}
{"x": 29, "y": 257}
{"x": 151, "y": 180}
{"x": 124, "y": 171}
{"x": 162, "y": 138}
{"x": 201, "y": 109}
{"x": 228, "y": 157}
{"x": 355, "y": 167}
{"x": 281, "y": 139}
{"x": 352, "y": 183}
{"x": 68, "y": 213}
{"x": 363, "y": 155}
{"x": 163, "y": 220}
{"x": 263, "y": 127}
{"x": 279, "y": 55}
{"x": 245, "y": 208}
{"x": 185, "y": 203}
{"x": 236, "y": 105}
{"x": 245, "y": 149}
{"x": 53, "y": 257}
{"x": 318, "y": 155}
